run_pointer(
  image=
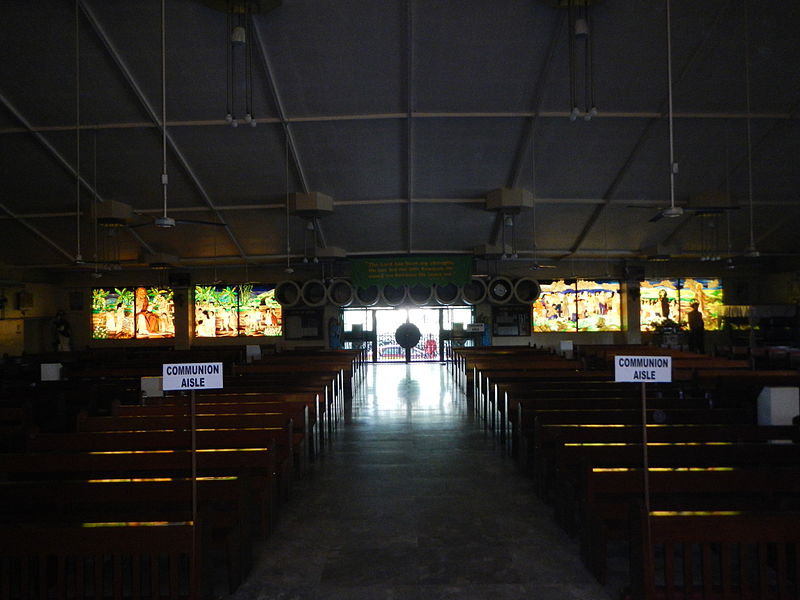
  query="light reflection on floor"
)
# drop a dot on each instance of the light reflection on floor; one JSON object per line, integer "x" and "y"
{"x": 409, "y": 389}
{"x": 413, "y": 500}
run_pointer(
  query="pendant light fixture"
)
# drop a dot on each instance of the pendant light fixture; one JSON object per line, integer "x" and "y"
{"x": 239, "y": 52}
{"x": 580, "y": 29}
{"x": 164, "y": 221}
{"x": 751, "y": 251}
{"x": 78, "y": 255}
{"x": 673, "y": 211}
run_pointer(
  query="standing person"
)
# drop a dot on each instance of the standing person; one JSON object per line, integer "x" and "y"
{"x": 334, "y": 334}
{"x": 664, "y": 301}
{"x": 62, "y": 331}
{"x": 696, "y": 329}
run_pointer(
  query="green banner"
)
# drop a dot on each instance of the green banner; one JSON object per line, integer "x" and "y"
{"x": 411, "y": 270}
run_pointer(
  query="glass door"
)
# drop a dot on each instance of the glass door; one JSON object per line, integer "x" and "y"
{"x": 385, "y": 321}
{"x": 427, "y": 321}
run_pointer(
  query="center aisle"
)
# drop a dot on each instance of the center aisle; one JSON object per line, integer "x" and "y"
{"x": 413, "y": 501}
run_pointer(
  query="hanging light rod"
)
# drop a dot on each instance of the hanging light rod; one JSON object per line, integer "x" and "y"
{"x": 673, "y": 211}
{"x": 164, "y": 221}
{"x": 580, "y": 31}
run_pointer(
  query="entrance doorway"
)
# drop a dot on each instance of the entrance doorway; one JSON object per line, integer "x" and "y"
{"x": 430, "y": 321}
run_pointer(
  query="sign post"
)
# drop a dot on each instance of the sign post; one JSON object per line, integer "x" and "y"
{"x": 644, "y": 370}
{"x": 191, "y": 377}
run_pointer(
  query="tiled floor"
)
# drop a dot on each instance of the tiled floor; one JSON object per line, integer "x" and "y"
{"x": 413, "y": 501}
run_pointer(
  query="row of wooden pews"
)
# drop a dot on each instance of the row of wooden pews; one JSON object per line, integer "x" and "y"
{"x": 165, "y": 497}
{"x": 580, "y": 436}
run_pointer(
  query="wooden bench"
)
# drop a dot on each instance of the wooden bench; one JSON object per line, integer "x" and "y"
{"x": 572, "y": 460}
{"x": 606, "y": 496}
{"x": 530, "y": 420}
{"x": 548, "y": 438}
{"x": 312, "y": 419}
{"x": 294, "y": 441}
{"x": 221, "y": 440}
{"x": 75, "y": 562}
{"x": 716, "y": 557}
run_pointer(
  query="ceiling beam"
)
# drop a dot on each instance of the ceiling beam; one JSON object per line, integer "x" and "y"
{"x": 65, "y": 164}
{"x": 319, "y": 233}
{"x": 648, "y": 130}
{"x": 269, "y": 74}
{"x": 538, "y": 94}
{"x": 126, "y": 73}
{"x": 542, "y": 115}
{"x": 384, "y": 202}
{"x": 49, "y": 241}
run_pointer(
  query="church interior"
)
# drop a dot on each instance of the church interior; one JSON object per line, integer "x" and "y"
{"x": 335, "y": 299}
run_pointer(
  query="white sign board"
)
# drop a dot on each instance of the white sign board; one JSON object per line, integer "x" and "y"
{"x": 151, "y": 387}
{"x": 192, "y": 376}
{"x": 51, "y": 371}
{"x": 252, "y": 352}
{"x": 643, "y": 369}
{"x": 475, "y": 327}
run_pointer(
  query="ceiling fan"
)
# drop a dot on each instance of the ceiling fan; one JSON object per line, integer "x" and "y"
{"x": 165, "y": 221}
{"x": 704, "y": 204}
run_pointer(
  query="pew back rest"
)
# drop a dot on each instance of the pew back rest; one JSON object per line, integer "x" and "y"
{"x": 712, "y": 556}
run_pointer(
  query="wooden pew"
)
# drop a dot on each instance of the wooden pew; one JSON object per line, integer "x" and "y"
{"x": 330, "y": 407}
{"x": 221, "y": 440}
{"x": 295, "y": 442}
{"x": 571, "y": 461}
{"x": 529, "y": 421}
{"x": 607, "y": 496}
{"x": 72, "y": 560}
{"x": 711, "y": 557}
{"x": 222, "y": 401}
{"x": 549, "y": 438}
{"x": 305, "y": 372}
{"x": 253, "y": 495}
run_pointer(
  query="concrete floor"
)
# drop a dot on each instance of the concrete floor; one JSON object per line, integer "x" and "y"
{"x": 413, "y": 501}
